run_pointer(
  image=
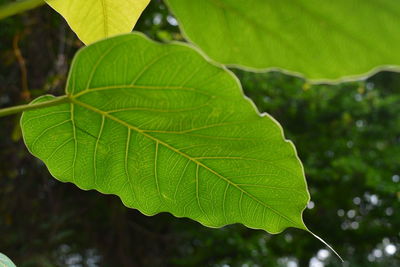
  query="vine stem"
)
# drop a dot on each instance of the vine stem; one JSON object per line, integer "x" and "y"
{"x": 13, "y": 8}
{"x": 18, "y": 109}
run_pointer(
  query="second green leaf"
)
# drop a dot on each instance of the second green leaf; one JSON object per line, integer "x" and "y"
{"x": 323, "y": 41}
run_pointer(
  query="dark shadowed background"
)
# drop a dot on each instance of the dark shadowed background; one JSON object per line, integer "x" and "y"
{"x": 347, "y": 135}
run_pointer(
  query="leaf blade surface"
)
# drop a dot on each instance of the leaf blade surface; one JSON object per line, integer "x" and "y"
{"x": 169, "y": 132}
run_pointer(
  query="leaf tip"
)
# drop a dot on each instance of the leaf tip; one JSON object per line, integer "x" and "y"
{"x": 326, "y": 244}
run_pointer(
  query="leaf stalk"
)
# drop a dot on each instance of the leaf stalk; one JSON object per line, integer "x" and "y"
{"x": 21, "y": 108}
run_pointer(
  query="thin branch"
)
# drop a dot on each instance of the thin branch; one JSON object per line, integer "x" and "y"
{"x": 26, "y": 95}
{"x": 14, "y": 8}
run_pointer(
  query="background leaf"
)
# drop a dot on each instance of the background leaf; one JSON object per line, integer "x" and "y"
{"x": 93, "y": 20}
{"x": 321, "y": 40}
{"x": 5, "y": 261}
{"x": 165, "y": 130}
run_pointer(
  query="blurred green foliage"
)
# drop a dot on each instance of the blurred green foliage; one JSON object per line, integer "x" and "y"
{"x": 347, "y": 135}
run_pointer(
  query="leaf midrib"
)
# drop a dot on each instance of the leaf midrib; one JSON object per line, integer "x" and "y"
{"x": 73, "y": 100}
{"x": 105, "y": 15}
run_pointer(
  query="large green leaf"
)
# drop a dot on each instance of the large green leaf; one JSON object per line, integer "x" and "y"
{"x": 321, "y": 40}
{"x": 94, "y": 20}
{"x": 5, "y": 261}
{"x": 167, "y": 131}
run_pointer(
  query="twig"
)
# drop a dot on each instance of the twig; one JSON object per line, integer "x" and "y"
{"x": 11, "y": 9}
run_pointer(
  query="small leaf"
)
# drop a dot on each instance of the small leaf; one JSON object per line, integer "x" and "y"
{"x": 94, "y": 20}
{"x": 5, "y": 261}
{"x": 167, "y": 131}
{"x": 321, "y": 40}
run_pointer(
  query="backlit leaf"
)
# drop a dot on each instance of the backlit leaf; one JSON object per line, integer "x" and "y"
{"x": 167, "y": 131}
{"x": 93, "y": 20}
{"x": 321, "y": 40}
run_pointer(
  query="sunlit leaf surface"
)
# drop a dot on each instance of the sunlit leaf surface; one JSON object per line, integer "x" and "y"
{"x": 93, "y": 20}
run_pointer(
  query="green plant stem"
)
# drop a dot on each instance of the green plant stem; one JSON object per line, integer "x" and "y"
{"x": 19, "y": 7}
{"x": 17, "y": 109}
